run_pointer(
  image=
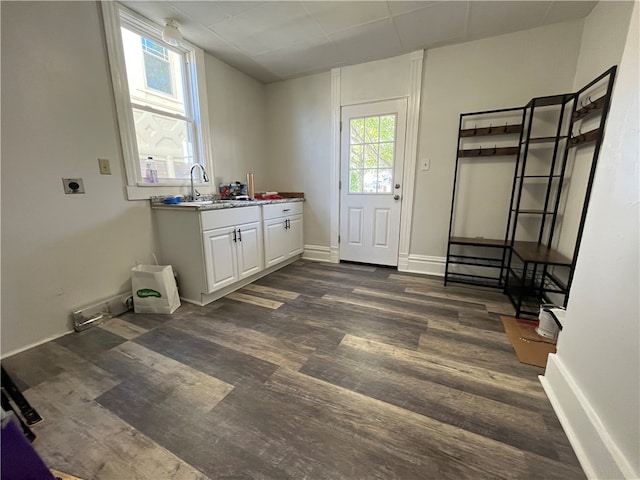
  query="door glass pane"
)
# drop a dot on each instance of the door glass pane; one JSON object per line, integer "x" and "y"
{"x": 357, "y": 130}
{"x": 386, "y": 155}
{"x": 372, "y": 129}
{"x": 385, "y": 179}
{"x": 387, "y": 128}
{"x": 356, "y": 156}
{"x": 372, "y": 150}
{"x": 355, "y": 181}
{"x": 370, "y": 180}
{"x": 370, "y": 156}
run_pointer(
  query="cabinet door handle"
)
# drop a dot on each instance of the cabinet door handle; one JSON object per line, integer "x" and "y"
{"x": 286, "y": 209}
{"x": 285, "y": 224}
{"x": 234, "y": 235}
{"x": 288, "y": 223}
{"x": 239, "y": 235}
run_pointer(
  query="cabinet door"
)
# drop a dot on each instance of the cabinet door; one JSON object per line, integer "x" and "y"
{"x": 295, "y": 241}
{"x": 249, "y": 248}
{"x": 275, "y": 241}
{"x": 220, "y": 258}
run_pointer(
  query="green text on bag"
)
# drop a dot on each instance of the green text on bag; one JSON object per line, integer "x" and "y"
{"x": 148, "y": 292}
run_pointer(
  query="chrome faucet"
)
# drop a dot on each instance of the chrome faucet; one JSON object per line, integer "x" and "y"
{"x": 194, "y": 192}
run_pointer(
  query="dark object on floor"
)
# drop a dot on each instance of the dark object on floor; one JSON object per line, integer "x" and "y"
{"x": 29, "y": 413}
{"x": 530, "y": 347}
{"x": 19, "y": 460}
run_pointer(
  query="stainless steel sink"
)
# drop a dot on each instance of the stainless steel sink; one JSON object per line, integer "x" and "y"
{"x": 194, "y": 204}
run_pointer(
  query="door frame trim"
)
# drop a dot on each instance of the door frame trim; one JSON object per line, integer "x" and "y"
{"x": 410, "y": 160}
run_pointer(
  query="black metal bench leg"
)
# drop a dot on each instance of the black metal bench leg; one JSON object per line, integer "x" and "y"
{"x": 28, "y": 412}
{"x": 6, "y": 406}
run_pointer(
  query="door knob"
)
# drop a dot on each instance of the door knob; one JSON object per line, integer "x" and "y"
{"x": 397, "y": 185}
{"x": 396, "y": 197}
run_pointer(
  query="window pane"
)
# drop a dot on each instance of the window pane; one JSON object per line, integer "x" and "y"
{"x": 385, "y": 179}
{"x": 371, "y": 156}
{"x": 357, "y": 130}
{"x": 154, "y": 74}
{"x": 158, "y": 73}
{"x": 372, "y": 127}
{"x": 356, "y": 156}
{"x": 386, "y": 155}
{"x": 355, "y": 181}
{"x": 372, "y": 150}
{"x": 387, "y": 128}
{"x": 167, "y": 140}
{"x": 370, "y": 181}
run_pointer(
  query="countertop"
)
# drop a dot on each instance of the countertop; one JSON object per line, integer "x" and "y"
{"x": 219, "y": 204}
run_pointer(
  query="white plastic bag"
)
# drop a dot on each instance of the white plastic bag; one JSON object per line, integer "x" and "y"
{"x": 154, "y": 289}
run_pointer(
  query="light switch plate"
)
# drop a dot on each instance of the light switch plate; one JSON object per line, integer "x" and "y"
{"x": 105, "y": 168}
{"x": 425, "y": 164}
{"x": 73, "y": 185}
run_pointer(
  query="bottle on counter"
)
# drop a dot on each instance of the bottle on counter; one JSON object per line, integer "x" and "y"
{"x": 151, "y": 173}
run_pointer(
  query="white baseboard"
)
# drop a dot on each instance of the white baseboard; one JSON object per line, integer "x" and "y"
{"x": 317, "y": 253}
{"x": 424, "y": 264}
{"x": 596, "y": 450}
{"x": 35, "y": 344}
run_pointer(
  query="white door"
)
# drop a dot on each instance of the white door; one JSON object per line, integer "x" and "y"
{"x": 275, "y": 241}
{"x": 220, "y": 258}
{"x": 249, "y": 246}
{"x": 371, "y": 164}
{"x": 294, "y": 232}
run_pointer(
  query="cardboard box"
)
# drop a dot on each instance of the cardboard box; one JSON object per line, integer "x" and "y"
{"x": 530, "y": 347}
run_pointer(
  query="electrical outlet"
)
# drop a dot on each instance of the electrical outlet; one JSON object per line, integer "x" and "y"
{"x": 425, "y": 164}
{"x": 73, "y": 185}
{"x": 105, "y": 168}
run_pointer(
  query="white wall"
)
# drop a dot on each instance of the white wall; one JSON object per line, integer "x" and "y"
{"x": 237, "y": 114}
{"x": 61, "y": 252}
{"x": 378, "y": 80}
{"x": 594, "y": 379}
{"x": 601, "y": 48}
{"x": 498, "y": 72}
{"x": 299, "y": 147}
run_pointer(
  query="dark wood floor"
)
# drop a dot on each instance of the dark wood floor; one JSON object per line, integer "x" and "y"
{"x": 318, "y": 371}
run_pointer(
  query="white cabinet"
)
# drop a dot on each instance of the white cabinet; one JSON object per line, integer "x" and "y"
{"x": 217, "y": 251}
{"x": 231, "y": 251}
{"x": 282, "y": 232}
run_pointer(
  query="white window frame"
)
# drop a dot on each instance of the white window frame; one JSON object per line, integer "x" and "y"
{"x": 136, "y": 188}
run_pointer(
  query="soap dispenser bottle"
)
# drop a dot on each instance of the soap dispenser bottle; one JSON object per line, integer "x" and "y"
{"x": 151, "y": 174}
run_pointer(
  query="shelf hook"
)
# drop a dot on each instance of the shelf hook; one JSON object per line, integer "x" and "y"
{"x": 475, "y": 129}
{"x": 495, "y": 149}
{"x": 490, "y": 125}
{"x": 506, "y": 124}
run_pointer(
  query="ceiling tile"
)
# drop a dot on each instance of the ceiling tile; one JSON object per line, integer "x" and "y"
{"x": 432, "y": 25}
{"x": 258, "y": 42}
{"x": 368, "y": 42}
{"x": 210, "y": 13}
{"x": 156, "y": 11}
{"x": 487, "y": 19}
{"x": 316, "y": 55}
{"x": 336, "y": 16}
{"x": 270, "y": 15}
{"x": 403, "y": 7}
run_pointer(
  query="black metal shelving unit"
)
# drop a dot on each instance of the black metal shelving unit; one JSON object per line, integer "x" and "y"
{"x": 534, "y": 261}
{"x": 479, "y": 260}
{"x": 541, "y": 169}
